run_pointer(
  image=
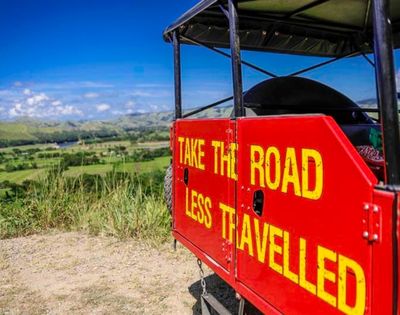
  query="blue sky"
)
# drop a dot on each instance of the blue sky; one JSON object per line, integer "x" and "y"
{"x": 98, "y": 59}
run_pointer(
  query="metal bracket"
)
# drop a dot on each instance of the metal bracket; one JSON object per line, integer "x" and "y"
{"x": 209, "y": 301}
{"x": 372, "y": 222}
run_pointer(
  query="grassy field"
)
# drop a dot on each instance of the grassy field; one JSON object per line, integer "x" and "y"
{"x": 107, "y": 152}
{"x": 125, "y": 200}
{"x": 20, "y": 176}
{"x": 124, "y": 207}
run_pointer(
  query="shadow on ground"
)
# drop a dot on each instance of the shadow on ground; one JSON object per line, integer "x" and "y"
{"x": 222, "y": 292}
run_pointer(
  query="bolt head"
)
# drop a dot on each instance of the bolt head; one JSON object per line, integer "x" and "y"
{"x": 366, "y": 207}
{"x": 375, "y": 237}
{"x": 376, "y": 209}
{"x": 365, "y": 234}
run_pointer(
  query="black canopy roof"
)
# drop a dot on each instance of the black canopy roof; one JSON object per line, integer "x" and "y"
{"x": 330, "y": 28}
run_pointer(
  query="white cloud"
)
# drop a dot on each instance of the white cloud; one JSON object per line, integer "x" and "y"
{"x": 103, "y": 107}
{"x": 18, "y": 83}
{"x": 130, "y": 104}
{"x": 69, "y": 110}
{"x": 56, "y": 103}
{"x": 154, "y": 107}
{"x": 118, "y": 112}
{"x": 91, "y": 95}
{"x": 41, "y": 106}
{"x": 37, "y": 99}
{"x": 27, "y": 92}
{"x": 141, "y": 93}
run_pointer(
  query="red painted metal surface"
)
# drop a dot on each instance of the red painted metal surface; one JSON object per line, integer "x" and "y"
{"x": 308, "y": 251}
{"x": 382, "y": 272}
{"x": 197, "y": 216}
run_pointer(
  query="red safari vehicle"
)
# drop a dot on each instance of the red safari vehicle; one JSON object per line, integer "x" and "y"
{"x": 293, "y": 201}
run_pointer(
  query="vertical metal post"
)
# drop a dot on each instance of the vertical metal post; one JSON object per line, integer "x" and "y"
{"x": 236, "y": 59}
{"x": 386, "y": 88}
{"x": 177, "y": 75}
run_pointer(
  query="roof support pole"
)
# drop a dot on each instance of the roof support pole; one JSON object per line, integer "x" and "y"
{"x": 236, "y": 58}
{"x": 386, "y": 90}
{"x": 177, "y": 75}
{"x": 387, "y": 102}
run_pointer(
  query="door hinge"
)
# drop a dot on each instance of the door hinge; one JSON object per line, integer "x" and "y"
{"x": 372, "y": 222}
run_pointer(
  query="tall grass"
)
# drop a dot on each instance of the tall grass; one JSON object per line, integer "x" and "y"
{"x": 118, "y": 204}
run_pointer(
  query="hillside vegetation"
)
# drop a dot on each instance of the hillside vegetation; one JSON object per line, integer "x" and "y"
{"x": 29, "y": 131}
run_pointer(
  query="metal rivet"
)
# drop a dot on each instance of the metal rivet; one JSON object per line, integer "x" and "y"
{"x": 365, "y": 234}
{"x": 248, "y": 189}
{"x": 375, "y": 209}
{"x": 242, "y": 187}
{"x": 375, "y": 237}
{"x": 366, "y": 207}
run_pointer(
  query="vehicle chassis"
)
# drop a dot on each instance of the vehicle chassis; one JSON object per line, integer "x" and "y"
{"x": 385, "y": 193}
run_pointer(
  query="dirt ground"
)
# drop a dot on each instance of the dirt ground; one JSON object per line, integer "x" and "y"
{"x": 73, "y": 273}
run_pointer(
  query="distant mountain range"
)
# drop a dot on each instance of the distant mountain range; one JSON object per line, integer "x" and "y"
{"x": 26, "y": 130}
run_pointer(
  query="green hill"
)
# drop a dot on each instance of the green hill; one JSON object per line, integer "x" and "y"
{"x": 30, "y": 131}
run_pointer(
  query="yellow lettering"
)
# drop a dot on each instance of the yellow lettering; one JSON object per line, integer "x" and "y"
{"x": 346, "y": 264}
{"x": 194, "y": 204}
{"x": 181, "y": 140}
{"x": 224, "y": 158}
{"x": 231, "y": 223}
{"x": 261, "y": 244}
{"x": 310, "y": 287}
{"x": 208, "y": 217}
{"x": 257, "y": 164}
{"x": 274, "y": 248}
{"x": 187, "y": 160}
{"x": 216, "y": 145}
{"x": 272, "y": 184}
{"x": 323, "y": 274}
{"x": 291, "y": 173}
{"x": 200, "y": 213}
{"x": 286, "y": 263}
{"x": 193, "y": 151}
{"x": 308, "y": 154}
{"x": 201, "y": 155}
{"x": 245, "y": 238}
{"x": 233, "y": 147}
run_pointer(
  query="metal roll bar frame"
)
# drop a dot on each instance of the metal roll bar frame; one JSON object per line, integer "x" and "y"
{"x": 384, "y": 69}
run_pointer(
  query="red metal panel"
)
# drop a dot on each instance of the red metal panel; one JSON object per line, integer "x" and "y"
{"x": 306, "y": 253}
{"x": 382, "y": 261}
{"x": 203, "y": 148}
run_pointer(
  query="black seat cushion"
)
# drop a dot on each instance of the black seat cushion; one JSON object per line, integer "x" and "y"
{"x": 295, "y": 95}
